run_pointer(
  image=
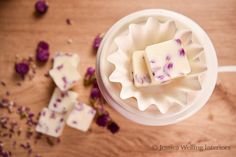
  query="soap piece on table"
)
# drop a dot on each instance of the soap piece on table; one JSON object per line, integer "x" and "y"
{"x": 81, "y": 117}
{"x": 50, "y": 123}
{"x": 62, "y": 102}
{"x": 166, "y": 61}
{"x": 60, "y": 58}
{"x": 140, "y": 71}
{"x": 65, "y": 76}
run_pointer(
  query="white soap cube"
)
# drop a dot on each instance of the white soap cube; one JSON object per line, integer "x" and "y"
{"x": 50, "y": 123}
{"x": 166, "y": 61}
{"x": 60, "y": 58}
{"x": 65, "y": 76}
{"x": 140, "y": 71}
{"x": 81, "y": 117}
{"x": 62, "y": 101}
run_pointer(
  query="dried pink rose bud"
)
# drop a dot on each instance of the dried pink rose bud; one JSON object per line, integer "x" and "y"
{"x": 41, "y": 6}
{"x": 97, "y": 41}
{"x": 42, "y": 52}
{"x": 113, "y": 127}
{"x": 22, "y": 67}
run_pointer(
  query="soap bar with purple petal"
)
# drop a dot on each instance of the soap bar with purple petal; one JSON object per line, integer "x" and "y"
{"x": 166, "y": 61}
{"x": 65, "y": 75}
{"x": 50, "y": 123}
{"x": 60, "y": 58}
{"x": 81, "y": 117}
{"x": 140, "y": 72}
{"x": 62, "y": 101}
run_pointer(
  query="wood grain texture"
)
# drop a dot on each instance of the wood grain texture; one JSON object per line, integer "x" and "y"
{"x": 20, "y": 31}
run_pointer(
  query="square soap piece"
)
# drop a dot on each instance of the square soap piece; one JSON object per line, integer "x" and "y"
{"x": 140, "y": 71}
{"x": 62, "y": 102}
{"x": 60, "y": 58}
{"x": 81, "y": 117}
{"x": 50, "y": 123}
{"x": 166, "y": 61}
{"x": 65, "y": 76}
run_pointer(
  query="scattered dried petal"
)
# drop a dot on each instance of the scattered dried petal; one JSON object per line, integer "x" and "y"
{"x": 68, "y": 21}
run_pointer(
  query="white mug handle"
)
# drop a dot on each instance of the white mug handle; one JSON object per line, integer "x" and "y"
{"x": 223, "y": 69}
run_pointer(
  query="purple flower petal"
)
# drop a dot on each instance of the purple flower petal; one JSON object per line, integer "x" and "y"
{"x": 168, "y": 58}
{"x": 181, "y": 52}
{"x": 79, "y": 107}
{"x": 170, "y": 66}
{"x": 178, "y": 41}
{"x": 68, "y": 21}
{"x": 161, "y": 77}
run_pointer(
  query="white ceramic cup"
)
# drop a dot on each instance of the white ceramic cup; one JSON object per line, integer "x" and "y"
{"x": 112, "y": 97}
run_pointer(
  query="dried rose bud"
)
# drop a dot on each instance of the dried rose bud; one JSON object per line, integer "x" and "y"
{"x": 95, "y": 93}
{"x": 90, "y": 71}
{"x": 22, "y": 68}
{"x": 102, "y": 120}
{"x": 42, "y": 52}
{"x": 41, "y": 6}
{"x": 97, "y": 41}
{"x": 89, "y": 77}
{"x": 113, "y": 127}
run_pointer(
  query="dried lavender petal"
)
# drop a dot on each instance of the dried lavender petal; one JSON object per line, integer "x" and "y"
{"x": 60, "y": 67}
{"x": 168, "y": 58}
{"x": 178, "y": 41}
{"x": 68, "y": 21}
{"x": 152, "y": 61}
{"x": 3, "y": 83}
{"x": 161, "y": 77}
{"x": 181, "y": 52}
{"x": 79, "y": 107}
{"x": 170, "y": 65}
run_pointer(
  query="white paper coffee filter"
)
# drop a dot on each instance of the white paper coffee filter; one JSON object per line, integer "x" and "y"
{"x": 165, "y": 96}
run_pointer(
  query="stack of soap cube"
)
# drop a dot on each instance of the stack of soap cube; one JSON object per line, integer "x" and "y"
{"x": 159, "y": 63}
{"x": 63, "y": 104}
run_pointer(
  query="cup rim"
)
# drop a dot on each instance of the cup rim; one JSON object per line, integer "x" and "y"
{"x": 212, "y": 62}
